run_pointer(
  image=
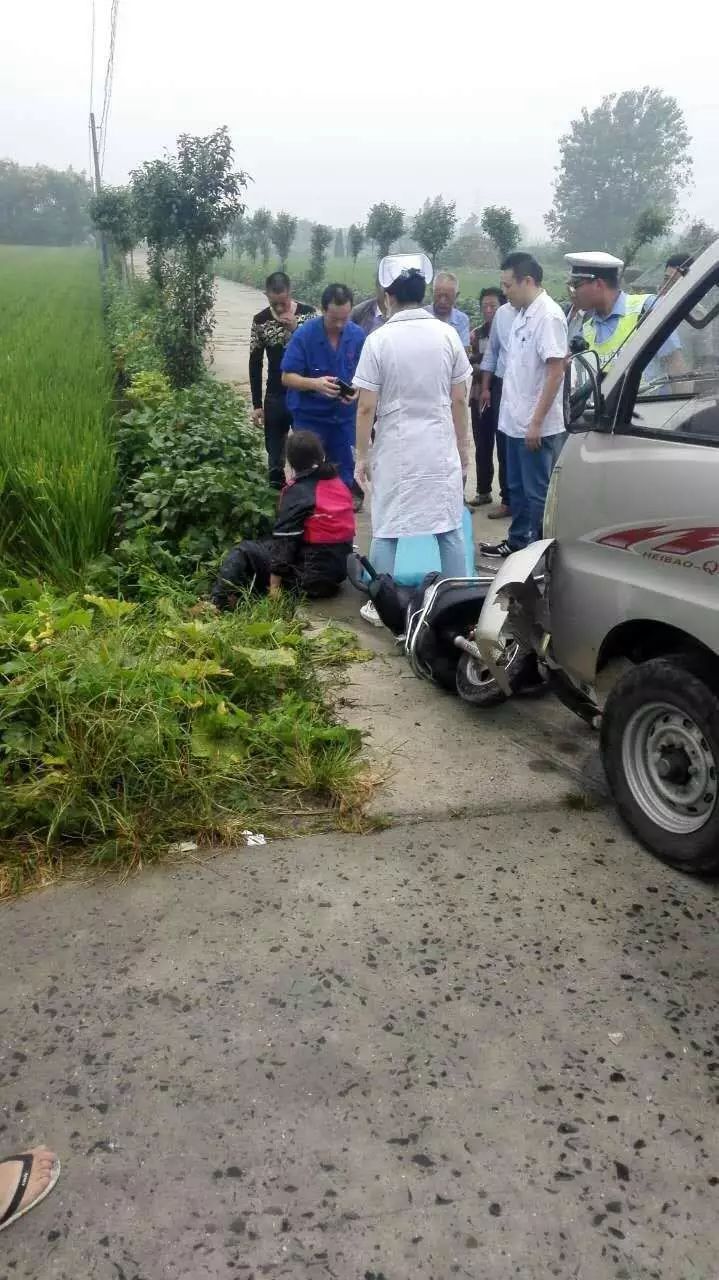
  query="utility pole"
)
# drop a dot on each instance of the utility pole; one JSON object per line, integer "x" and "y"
{"x": 98, "y": 187}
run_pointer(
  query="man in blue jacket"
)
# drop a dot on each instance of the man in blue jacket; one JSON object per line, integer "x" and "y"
{"x": 320, "y": 355}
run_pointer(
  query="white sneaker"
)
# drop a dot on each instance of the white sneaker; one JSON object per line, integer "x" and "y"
{"x": 370, "y": 614}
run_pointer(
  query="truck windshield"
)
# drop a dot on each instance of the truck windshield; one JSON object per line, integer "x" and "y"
{"x": 687, "y": 364}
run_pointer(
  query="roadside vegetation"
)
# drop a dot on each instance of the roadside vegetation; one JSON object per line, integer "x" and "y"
{"x": 134, "y": 719}
{"x": 129, "y": 728}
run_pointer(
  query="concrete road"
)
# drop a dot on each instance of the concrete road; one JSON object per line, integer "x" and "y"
{"x": 480, "y": 1048}
{"x": 235, "y": 305}
{"x": 482, "y": 1043}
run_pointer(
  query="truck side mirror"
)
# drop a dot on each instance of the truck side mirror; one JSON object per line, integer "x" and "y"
{"x": 582, "y": 397}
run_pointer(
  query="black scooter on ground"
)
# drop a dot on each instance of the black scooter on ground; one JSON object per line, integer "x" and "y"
{"x": 435, "y": 623}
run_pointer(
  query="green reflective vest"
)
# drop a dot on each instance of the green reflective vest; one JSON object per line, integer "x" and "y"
{"x": 626, "y": 324}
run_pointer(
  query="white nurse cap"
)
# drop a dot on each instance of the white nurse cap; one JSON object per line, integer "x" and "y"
{"x": 403, "y": 264}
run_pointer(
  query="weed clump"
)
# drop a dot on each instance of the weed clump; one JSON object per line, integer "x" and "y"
{"x": 127, "y": 727}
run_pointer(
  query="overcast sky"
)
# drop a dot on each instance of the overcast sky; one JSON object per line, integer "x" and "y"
{"x": 333, "y": 106}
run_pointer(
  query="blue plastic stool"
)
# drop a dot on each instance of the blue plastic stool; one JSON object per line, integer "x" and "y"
{"x": 419, "y": 555}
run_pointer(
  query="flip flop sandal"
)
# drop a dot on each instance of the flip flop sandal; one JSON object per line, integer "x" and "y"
{"x": 12, "y": 1213}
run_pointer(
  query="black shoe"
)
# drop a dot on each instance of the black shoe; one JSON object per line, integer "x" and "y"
{"x": 496, "y": 550}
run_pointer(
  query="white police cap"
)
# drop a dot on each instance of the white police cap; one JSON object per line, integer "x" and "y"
{"x": 403, "y": 264}
{"x": 586, "y": 265}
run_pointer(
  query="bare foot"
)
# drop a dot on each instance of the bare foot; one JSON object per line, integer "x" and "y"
{"x": 40, "y": 1175}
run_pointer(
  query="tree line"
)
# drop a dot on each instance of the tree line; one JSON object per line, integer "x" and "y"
{"x": 431, "y": 230}
{"x": 39, "y": 205}
{"x": 623, "y": 167}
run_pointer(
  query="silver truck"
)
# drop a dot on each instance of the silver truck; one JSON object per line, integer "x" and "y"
{"x": 620, "y": 600}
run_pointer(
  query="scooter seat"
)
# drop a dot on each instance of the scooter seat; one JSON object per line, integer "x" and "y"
{"x": 456, "y": 593}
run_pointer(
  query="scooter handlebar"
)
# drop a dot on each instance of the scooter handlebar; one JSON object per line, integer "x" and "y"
{"x": 357, "y": 567}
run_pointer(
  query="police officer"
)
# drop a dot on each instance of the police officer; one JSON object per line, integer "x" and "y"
{"x": 610, "y": 314}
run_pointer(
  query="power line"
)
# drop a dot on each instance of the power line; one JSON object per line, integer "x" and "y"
{"x": 92, "y": 79}
{"x": 107, "y": 92}
{"x": 92, "y": 55}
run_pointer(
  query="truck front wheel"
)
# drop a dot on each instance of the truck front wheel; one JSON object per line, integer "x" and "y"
{"x": 660, "y": 751}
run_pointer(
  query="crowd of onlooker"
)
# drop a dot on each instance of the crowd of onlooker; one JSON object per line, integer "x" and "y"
{"x": 390, "y": 387}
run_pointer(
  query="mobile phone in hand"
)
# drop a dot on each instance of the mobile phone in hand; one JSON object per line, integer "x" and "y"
{"x": 346, "y": 388}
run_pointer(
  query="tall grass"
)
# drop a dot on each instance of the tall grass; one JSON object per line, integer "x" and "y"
{"x": 57, "y": 466}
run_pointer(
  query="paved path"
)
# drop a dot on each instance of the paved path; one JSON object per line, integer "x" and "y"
{"x": 235, "y": 306}
{"x": 482, "y": 1044}
{"x": 479, "y": 1049}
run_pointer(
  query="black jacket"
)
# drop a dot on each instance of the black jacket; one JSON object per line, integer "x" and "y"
{"x": 310, "y": 543}
{"x": 313, "y": 533}
{"x": 268, "y": 336}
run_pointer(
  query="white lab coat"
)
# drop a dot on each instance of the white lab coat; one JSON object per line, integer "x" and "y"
{"x": 413, "y": 362}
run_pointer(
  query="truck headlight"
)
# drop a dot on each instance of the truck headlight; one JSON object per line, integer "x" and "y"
{"x": 549, "y": 524}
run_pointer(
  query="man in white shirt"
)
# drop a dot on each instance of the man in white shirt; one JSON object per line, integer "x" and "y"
{"x": 531, "y": 414}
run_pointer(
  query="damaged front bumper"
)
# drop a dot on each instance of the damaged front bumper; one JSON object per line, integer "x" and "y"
{"x": 513, "y": 611}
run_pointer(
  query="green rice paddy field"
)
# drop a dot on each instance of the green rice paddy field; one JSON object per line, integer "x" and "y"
{"x": 57, "y": 465}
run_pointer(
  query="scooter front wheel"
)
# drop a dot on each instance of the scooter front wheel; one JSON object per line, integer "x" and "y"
{"x": 476, "y": 684}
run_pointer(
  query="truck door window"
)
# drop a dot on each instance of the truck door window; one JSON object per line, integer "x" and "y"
{"x": 676, "y": 389}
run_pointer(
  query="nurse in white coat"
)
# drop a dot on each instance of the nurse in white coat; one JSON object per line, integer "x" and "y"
{"x": 414, "y": 375}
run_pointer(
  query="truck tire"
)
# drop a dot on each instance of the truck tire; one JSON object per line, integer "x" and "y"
{"x": 660, "y": 751}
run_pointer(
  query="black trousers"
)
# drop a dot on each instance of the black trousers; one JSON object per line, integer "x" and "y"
{"x": 277, "y": 425}
{"x": 484, "y": 430}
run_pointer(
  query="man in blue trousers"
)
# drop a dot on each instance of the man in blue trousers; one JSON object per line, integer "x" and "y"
{"x": 321, "y": 354}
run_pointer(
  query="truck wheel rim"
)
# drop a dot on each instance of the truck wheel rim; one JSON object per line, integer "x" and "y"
{"x": 670, "y": 768}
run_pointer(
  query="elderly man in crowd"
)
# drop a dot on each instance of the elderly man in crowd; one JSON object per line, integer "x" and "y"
{"x": 444, "y": 298}
{"x": 370, "y": 315}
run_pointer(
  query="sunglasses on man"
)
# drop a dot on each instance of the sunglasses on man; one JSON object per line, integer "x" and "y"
{"x": 574, "y": 282}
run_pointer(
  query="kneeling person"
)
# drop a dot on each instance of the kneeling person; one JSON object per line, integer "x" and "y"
{"x": 311, "y": 540}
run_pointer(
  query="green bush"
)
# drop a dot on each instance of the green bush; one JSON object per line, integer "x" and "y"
{"x": 148, "y": 390}
{"x": 133, "y": 329}
{"x": 126, "y": 727}
{"x": 194, "y": 476}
